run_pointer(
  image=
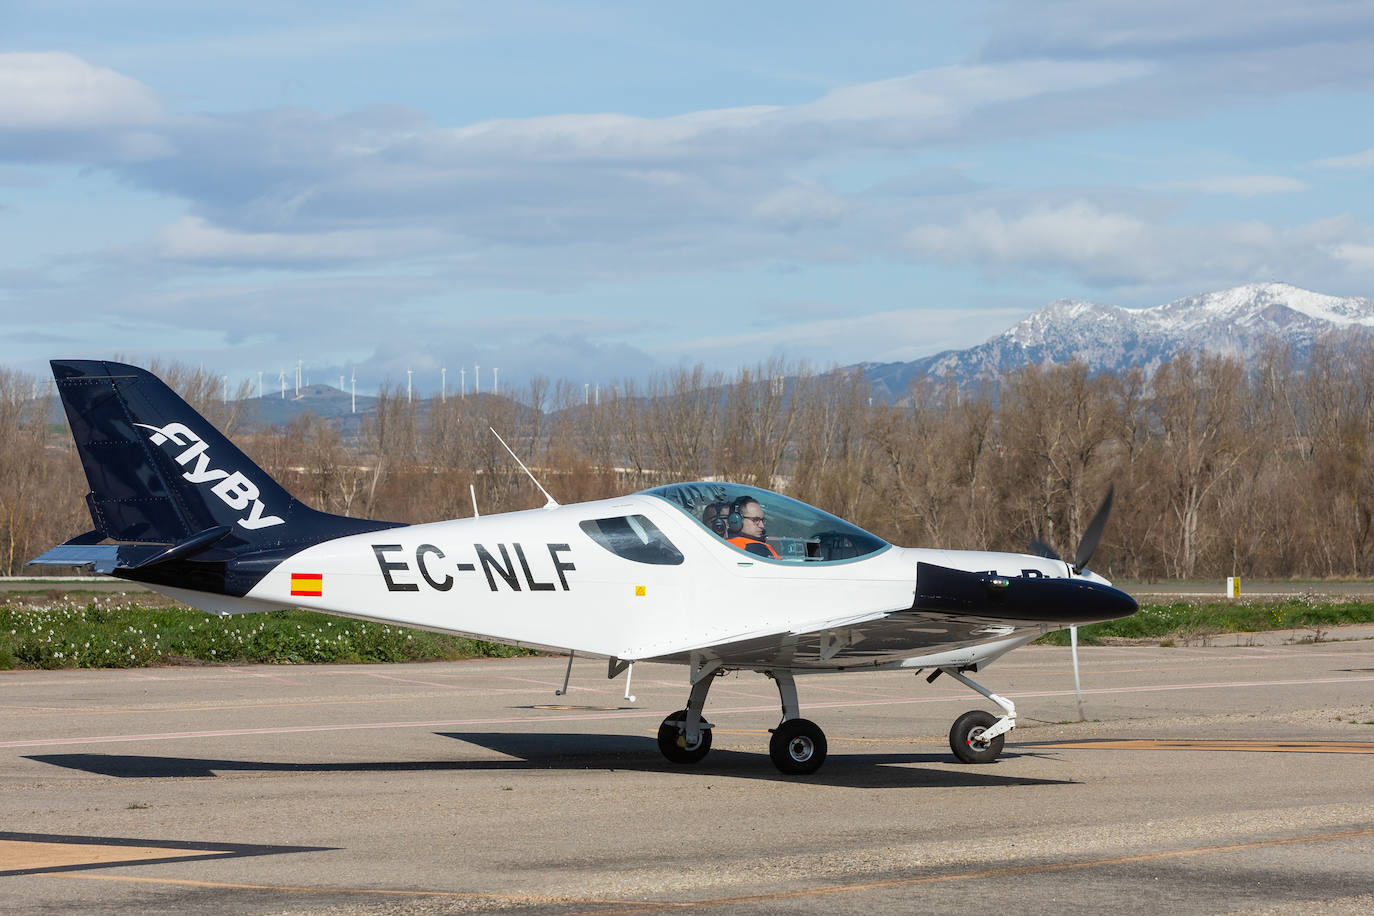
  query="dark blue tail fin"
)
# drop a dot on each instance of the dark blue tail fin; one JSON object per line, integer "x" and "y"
{"x": 160, "y": 474}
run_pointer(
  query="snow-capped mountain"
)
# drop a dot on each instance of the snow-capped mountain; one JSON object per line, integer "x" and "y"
{"x": 1237, "y": 321}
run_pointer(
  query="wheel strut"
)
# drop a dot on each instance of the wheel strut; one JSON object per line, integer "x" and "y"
{"x": 797, "y": 746}
{"x": 685, "y": 736}
{"x": 1002, "y": 725}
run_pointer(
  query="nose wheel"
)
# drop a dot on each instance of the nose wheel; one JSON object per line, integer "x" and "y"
{"x": 967, "y": 739}
{"x": 978, "y": 736}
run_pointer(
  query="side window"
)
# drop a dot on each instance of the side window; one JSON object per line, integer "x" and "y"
{"x": 633, "y": 537}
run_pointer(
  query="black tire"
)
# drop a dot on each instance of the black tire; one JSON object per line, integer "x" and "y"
{"x": 797, "y": 747}
{"x": 965, "y": 738}
{"x": 672, "y": 742}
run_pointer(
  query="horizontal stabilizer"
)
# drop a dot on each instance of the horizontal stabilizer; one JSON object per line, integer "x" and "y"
{"x": 106, "y": 558}
{"x": 102, "y": 558}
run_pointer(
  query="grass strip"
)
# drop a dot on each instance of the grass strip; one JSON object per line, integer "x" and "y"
{"x": 1186, "y": 622}
{"x": 117, "y": 632}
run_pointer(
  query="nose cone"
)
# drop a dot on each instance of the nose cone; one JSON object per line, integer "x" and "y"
{"x": 1076, "y": 600}
{"x": 1114, "y": 603}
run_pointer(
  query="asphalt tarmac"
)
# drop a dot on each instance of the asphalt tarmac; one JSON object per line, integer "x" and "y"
{"x": 1204, "y": 780}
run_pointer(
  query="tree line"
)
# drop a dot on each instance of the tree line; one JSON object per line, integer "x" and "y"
{"x": 1220, "y": 468}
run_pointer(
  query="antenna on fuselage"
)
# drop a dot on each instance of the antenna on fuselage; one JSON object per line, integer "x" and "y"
{"x": 473, "y": 490}
{"x": 552, "y": 503}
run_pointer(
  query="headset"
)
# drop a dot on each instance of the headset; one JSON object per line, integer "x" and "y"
{"x": 716, "y": 519}
{"x": 735, "y": 520}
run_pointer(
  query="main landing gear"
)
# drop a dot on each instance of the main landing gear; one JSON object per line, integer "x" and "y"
{"x": 798, "y": 746}
{"x": 684, "y": 736}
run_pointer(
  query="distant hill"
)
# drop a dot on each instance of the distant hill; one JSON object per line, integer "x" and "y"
{"x": 1239, "y": 322}
{"x": 323, "y": 401}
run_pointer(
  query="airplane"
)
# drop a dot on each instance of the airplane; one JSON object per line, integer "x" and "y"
{"x": 663, "y": 575}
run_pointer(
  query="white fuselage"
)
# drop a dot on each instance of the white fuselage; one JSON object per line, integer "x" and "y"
{"x": 534, "y": 578}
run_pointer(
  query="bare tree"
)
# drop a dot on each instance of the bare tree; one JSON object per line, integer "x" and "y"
{"x": 1056, "y": 422}
{"x": 1198, "y": 405}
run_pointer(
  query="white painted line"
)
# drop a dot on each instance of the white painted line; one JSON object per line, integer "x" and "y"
{"x": 642, "y": 714}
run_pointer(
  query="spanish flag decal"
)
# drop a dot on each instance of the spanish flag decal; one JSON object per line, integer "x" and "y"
{"x": 308, "y": 585}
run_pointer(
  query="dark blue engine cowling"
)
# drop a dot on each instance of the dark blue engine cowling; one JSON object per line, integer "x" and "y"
{"x": 1018, "y": 598}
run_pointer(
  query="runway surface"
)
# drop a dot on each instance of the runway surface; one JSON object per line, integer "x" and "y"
{"x": 1205, "y": 780}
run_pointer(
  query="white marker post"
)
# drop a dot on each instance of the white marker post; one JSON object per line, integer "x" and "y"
{"x": 1077, "y": 687}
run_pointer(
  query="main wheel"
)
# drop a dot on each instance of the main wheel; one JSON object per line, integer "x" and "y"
{"x": 797, "y": 747}
{"x": 672, "y": 740}
{"x": 966, "y": 738}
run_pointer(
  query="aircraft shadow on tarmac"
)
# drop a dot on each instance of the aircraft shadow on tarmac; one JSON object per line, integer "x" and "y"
{"x": 578, "y": 752}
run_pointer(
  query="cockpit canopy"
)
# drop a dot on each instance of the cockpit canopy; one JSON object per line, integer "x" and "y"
{"x": 798, "y": 532}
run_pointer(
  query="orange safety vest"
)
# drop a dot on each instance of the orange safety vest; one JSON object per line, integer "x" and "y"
{"x": 752, "y": 545}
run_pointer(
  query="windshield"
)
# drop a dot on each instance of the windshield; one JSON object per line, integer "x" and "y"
{"x": 769, "y": 524}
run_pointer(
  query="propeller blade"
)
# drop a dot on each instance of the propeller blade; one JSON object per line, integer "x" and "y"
{"x": 1040, "y": 549}
{"x": 1093, "y": 533}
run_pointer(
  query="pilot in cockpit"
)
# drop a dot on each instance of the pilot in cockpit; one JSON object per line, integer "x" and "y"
{"x": 715, "y": 517}
{"x": 746, "y": 527}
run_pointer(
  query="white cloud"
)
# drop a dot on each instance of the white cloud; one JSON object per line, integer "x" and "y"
{"x": 1364, "y": 160}
{"x": 799, "y": 206}
{"x": 57, "y": 91}
{"x": 1240, "y": 185}
{"x": 192, "y": 239}
{"x": 1170, "y": 28}
{"x": 896, "y": 112}
{"x": 1077, "y": 235}
{"x": 1123, "y": 248}
{"x": 1359, "y": 257}
{"x": 955, "y": 91}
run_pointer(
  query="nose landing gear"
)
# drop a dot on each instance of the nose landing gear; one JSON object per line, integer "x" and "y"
{"x": 978, "y": 736}
{"x": 967, "y": 741}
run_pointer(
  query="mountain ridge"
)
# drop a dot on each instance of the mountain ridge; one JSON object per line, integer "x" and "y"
{"x": 1239, "y": 321}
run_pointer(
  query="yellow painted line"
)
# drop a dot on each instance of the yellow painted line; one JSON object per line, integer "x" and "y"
{"x": 16, "y": 855}
{"x": 1125, "y": 744}
{"x": 1154, "y": 744}
{"x": 343, "y": 891}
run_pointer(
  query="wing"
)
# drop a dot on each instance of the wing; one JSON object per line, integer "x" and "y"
{"x": 843, "y": 644}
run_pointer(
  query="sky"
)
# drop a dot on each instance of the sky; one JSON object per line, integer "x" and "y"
{"x": 600, "y": 191}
